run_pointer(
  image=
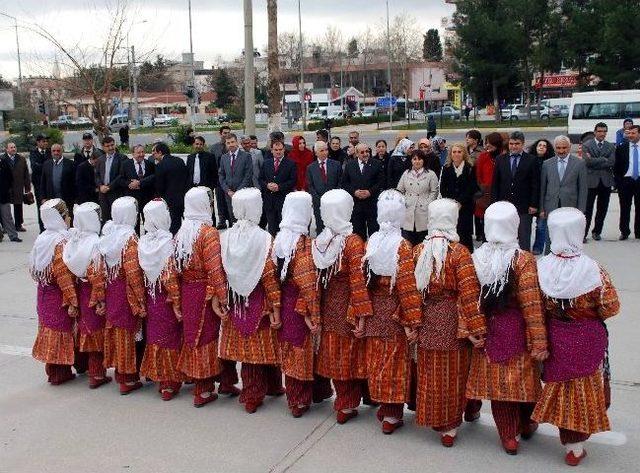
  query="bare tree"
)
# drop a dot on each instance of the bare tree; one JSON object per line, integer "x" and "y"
{"x": 273, "y": 66}
{"x": 368, "y": 49}
{"x": 289, "y": 52}
{"x": 405, "y": 46}
{"x": 332, "y": 46}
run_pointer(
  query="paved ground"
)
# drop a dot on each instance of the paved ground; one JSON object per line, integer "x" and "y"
{"x": 72, "y": 429}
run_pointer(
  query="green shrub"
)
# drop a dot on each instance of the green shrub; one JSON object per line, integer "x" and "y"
{"x": 24, "y": 133}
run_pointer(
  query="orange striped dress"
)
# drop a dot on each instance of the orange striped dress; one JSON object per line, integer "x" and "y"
{"x": 94, "y": 341}
{"x": 199, "y": 359}
{"x": 342, "y": 356}
{"x": 387, "y": 350}
{"x": 297, "y": 361}
{"x": 517, "y": 380}
{"x": 262, "y": 346}
{"x": 579, "y": 404}
{"x": 56, "y": 346}
{"x": 450, "y": 314}
{"x": 119, "y": 343}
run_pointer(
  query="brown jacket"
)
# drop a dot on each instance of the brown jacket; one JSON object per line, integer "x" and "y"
{"x": 21, "y": 178}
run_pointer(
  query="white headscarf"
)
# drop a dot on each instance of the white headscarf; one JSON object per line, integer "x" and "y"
{"x": 197, "y": 212}
{"x": 403, "y": 146}
{"x": 52, "y": 213}
{"x": 382, "y": 247}
{"x": 442, "y": 226}
{"x": 296, "y": 217}
{"x": 117, "y": 232}
{"x": 494, "y": 259}
{"x": 82, "y": 247}
{"x": 336, "y": 207}
{"x": 156, "y": 246}
{"x": 245, "y": 246}
{"x": 567, "y": 272}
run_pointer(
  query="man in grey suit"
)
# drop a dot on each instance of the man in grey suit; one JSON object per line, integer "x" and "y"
{"x": 599, "y": 156}
{"x": 563, "y": 181}
{"x": 323, "y": 174}
{"x": 108, "y": 176}
{"x": 236, "y": 171}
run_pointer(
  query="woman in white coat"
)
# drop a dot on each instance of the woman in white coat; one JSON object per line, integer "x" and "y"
{"x": 420, "y": 187}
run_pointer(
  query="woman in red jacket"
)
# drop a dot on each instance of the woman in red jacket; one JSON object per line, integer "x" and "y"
{"x": 485, "y": 165}
{"x": 302, "y": 157}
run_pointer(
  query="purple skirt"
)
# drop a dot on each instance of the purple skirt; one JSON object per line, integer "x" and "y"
{"x": 506, "y": 335}
{"x": 248, "y": 319}
{"x": 294, "y": 329}
{"x": 118, "y": 310}
{"x": 201, "y": 326}
{"x": 88, "y": 321}
{"x": 51, "y": 313}
{"x": 576, "y": 349}
{"x": 163, "y": 328}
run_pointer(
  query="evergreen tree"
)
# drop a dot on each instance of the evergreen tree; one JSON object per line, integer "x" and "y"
{"x": 352, "y": 48}
{"x": 4, "y": 84}
{"x": 432, "y": 46}
{"x": 225, "y": 88}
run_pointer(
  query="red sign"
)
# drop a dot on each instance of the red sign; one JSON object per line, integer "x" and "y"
{"x": 351, "y": 98}
{"x": 307, "y": 97}
{"x": 558, "y": 81}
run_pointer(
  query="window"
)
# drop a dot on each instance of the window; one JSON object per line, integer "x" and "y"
{"x": 599, "y": 111}
{"x": 631, "y": 110}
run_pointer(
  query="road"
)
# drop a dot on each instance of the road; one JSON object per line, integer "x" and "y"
{"x": 72, "y": 429}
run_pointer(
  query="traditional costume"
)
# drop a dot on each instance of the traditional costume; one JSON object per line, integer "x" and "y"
{"x": 505, "y": 370}
{"x": 396, "y": 308}
{"x": 446, "y": 277}
{"x": 156, "y": 250}
{"x": 125, "y": 293}
{"x": 578, "y": 296}
{"x": 337, "y": 254}
{"x": 202, "y": 288}
{"x": 82, "y": 257}
{"x": 57, "y": 304}
{"x": 300, "y": 310}
{"x": 249, "y": 333}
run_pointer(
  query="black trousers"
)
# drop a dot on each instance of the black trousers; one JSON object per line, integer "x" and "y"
{"x": 175, "y": 211}
{"x": 603, "y": 195}
{"x": 18, "y": 215}
{"x": 478, "y": 222}
{"x": 524, "y": 231}
{"x": 365, "y": 219}
{"x": 221, "y": 202}
{"x": 414, "y": 237}
{"x": 38, "y": 201}
{"x": 465, "y": 228}
{"x": 628, "y": 193}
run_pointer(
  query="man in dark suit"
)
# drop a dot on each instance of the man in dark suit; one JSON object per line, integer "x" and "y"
{"x": 86, "y": 180}
{"x": 88, "y": 148}
{"x": 6, "y": 219}
{"x": 323, "y": 174}
{"x": 37, "y": 157}
{"x": 364, "y": 179}
{"x": 516, "y": 179}
{"x": 138, "y": 175}
{"x": 58, "y": 178}
{"x": 235, "y": 171}
{"x": 202, "y": 169}
{"x": 627, "y": 173}
{"x": 599, "y": 156}
{"x": 277, "y": 178}
{"x": 218, "y": 149}
{"x": 109, "y": 177}
{"x": 171, "y": 182}
{"x": 21, "y": 183}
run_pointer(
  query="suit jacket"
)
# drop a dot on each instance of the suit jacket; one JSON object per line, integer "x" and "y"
{"x": 171, "y": 180}
{"x": 36, "y": 160}
{"x": 242, "y": 174}
{"x": 621, "y": 166}
{"x": 115, "y": 173}
{"x": 147, "y": 189}
{"x": 6, "y": 182}
{"x": 67, "y": 184}
{"x": 460, "y": 189}
{"x": 257, "y": 160}
{"x": 86, "y": 183}
{"x": 600, "y": 162}
{"x": 570, "y": 192}
{"x": 286, "y": 178}
{"x": 21, "y": 178}
{"x": 79, "y": 157}
{"x": 371, "y": 178}
{"x": 395, "y": 169}
{"x": 316, "y": 186}
{"x": 208, "y": 170}
{"x": 523, "y": 189}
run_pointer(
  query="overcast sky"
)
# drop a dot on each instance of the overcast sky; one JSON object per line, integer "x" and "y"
{"x": 217, "y": 25}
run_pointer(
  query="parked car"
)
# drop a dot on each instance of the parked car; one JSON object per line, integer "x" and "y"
{"x": 447, "y": 112}
{"x": 520, "y": 112}
{"x": 163, "y": 119}
{"x": 62, "y": 120}
{"x": 81, "y": 121}
{"x": 368, "y": 112}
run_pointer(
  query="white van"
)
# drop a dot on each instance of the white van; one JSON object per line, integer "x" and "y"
{"x": 608, "y": 106}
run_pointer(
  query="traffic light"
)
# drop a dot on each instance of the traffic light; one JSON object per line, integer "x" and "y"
{"x": 41, "y": 107}
{"x": 388, "y": 89}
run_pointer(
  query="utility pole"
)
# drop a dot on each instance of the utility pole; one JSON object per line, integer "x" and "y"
{"x": 136, "y": 114}
{"x": 15, "y": 25}
{"x": 249, "y": 78}
{"x": 194, "y": 99}
{"x": 303, "y": 103}
{"x": 389, "y": 70}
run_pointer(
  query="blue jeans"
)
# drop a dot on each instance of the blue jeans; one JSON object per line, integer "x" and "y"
{"x": 541, "y": 235}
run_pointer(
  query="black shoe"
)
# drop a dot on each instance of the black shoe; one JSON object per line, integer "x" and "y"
{"x": 623, "y": 237}
{"x": 584, "y": 240}
{"x": 221, "y": 226}
{"x": 21, "y": 229}
{"x": 596, "y": 236}
{"x": 16, "y": 239}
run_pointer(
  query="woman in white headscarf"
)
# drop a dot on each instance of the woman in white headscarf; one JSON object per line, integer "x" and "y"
{"x": 125, "y": 297}
{"x": 300, "y": 310}
{"x": 82, "y": 257}
{"x": 396, "y": 311}
{"x": 447, "y": 280}
{"x": 344, "y": 304}
{"x": 203, "y": 289}
{"x": 578, "y": 297}
{"x": 57, "y": 300}
{"x": 399, "y": 162}
{"x": 249, "y": 330}
{"x": 504, "y": 367}
{"x": 156, "y": 250}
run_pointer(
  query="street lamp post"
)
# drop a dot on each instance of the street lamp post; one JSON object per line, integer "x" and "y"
{"x": 303, "y": 103}
{"x": 15, "y": 24}
{"x": 192, "y": 118}
{"x": 389, "y": 70}
{"x": 249, "y": 78}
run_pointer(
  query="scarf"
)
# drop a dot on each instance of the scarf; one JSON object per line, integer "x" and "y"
{"x": 442, "y": 223}
{"x": 117, "y": 233}
{"x": 402, "y": 147}
{"x": 296, "y": 217}
{"x": 567, "y": 273}
{"x": 56, "y": 231}
{"x": 197, "y": 213}
{"x": 156, "y": 246}
{"x": 81, "y": 249}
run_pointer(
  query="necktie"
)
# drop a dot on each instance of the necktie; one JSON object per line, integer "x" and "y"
{"x": 87, "y": 153}
{"x": 107, "y": 170}
{"x": 600, "y": 144}
{"x": 636, "y": 172}
{"x": 276, "y": 165}
{"x": 563, "y": 167}
{"x": 323, "y": 172}
{"x": 514, "y": 164}
{"x": 233, "y": 158}
{"x": 196, "y": 170}
{"x": 140, "y": 171}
